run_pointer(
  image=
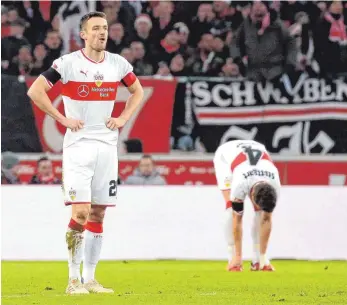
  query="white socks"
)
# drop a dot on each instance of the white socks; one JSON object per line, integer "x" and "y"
{"x": 92, "y": 250}
{"x": 74, "y": 240}
{"x": 229, "y": 235}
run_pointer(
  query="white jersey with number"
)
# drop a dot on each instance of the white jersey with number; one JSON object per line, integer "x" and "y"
{"x": 89, "y": 92}
{"x": 240, "y": 164}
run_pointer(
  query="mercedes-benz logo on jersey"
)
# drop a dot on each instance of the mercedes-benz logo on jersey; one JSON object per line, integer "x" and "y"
{"x": 83, "y": 90}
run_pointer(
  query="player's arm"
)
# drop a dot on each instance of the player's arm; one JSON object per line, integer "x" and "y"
{"x": 265, "y": 231}
{"x": 133, "y": 102}
{"x": 226, "y": 196}
{"x": 237, "y": 205}
{"x": 38, "y": 94}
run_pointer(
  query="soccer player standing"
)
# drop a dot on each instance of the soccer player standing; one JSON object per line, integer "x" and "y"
{"x": 90, "y": 78}
{"x": 244, "y": 168}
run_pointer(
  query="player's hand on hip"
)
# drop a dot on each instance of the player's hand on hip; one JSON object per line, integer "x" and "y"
{"x": 115, "y": 123}
{"x": 73, "y": 124}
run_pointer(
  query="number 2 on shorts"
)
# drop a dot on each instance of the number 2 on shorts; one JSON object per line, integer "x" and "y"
{"x": 113, "y": 188}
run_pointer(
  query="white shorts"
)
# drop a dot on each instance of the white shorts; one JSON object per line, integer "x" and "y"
{"x": 222, "y": 171}
{"x": 90, "y": 173}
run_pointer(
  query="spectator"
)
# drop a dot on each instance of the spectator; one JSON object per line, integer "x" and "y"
{"x": 183, "y": 33}
{"x": 168, "y": 48}
{"x": 111, "y": 12}
{"x": 12, "y": 14}
{"x": 143, "y": 26}
{"x": 177, "y": 66}
{"x": 289, "y": 10}
{"x": 119, "y": 12}
{"x": 227, "y": 18}
{"x": 22, "y": 63}
{"x": 163, "y": 70}
{"x": 128, "y": 55}
{"x": 45, "y": 173}
{"x": 5, "y": 25}
{"x": 137, "y": 6}
{"x": 230, "y": 69}
{"x": 53, "y": 44}
{"x": 116, "y": 41}
{"x": 141, "y": 66}
{"x": 201, "y": 23}
{"x": 201, "y": 62}
{"x": 40, "y": 60}
{"x": 245, "y": 9}
{"x": 55, "y": 24}
{"x": 70, "y": 13}
{"x": 220, "y": 49}
{"x": 148, "y": 8}
{"x": 302, "y": 34}
{"x": 163, "y": 21}
{"x": 30, "y": 12}
{"x": 331, "y": 41}
{"x": 10, "y": 45}
{"x": 145, "y": 174}
{"x": 9, "y": 169}
{"x": 266, "y": 43}
{"x": 229, "y": 42}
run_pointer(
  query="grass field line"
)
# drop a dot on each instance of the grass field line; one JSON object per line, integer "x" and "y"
{"x": 18, "y": 296}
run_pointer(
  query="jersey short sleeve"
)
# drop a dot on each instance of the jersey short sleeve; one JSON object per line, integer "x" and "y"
{"x": 238, "y": 189}
{"x": 59, "y": 66}
{"x": 124, "y": 67}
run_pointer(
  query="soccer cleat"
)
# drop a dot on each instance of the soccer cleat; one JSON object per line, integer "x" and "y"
{"x": 234, "y": 268}
{"x": 268, "y": 268}
{"x": 75, "y": 287}
{"x": 255, "y": 266}
{"x": 94, "y": 287}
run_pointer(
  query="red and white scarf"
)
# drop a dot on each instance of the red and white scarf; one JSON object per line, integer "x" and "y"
{"x": 337, "y": 30}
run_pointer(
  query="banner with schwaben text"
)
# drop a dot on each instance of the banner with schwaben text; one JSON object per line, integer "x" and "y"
{"x": 297, "y": 115}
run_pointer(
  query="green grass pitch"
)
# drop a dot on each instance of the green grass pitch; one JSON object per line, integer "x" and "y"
{"x": 179, "y": 283}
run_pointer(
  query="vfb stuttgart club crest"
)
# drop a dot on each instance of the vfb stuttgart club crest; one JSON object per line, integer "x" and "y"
{"x": 72, "y": 194}
{"x": 98, "y": 79}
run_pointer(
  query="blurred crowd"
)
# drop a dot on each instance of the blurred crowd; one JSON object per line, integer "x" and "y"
{"x": 146, "y": 173}
{"x": 259, "y": 40}
{"x": 10, "y": 168}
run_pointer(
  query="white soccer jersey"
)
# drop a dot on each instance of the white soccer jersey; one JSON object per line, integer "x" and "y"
{"x": 89, "y": 92}
{"x": 240, "y": 164}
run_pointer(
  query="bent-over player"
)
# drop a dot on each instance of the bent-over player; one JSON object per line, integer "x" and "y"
{"x": 244, "y": 168}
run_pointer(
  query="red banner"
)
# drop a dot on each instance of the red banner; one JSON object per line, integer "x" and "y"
{"x": 153, "y": 118}
{"x": 180, "y": 172}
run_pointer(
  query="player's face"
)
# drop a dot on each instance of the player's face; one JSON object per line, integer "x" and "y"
{"x": 95, "y": 33}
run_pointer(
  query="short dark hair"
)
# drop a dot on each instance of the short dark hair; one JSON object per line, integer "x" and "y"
{"x": 265, "y": 196}
{"x": 41, "y": 160}
{"x": 90, "y": 15}
{"x": 51, "y": 31}
{"x": 147, "y": 157}
{"x": 133, "y": 145}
